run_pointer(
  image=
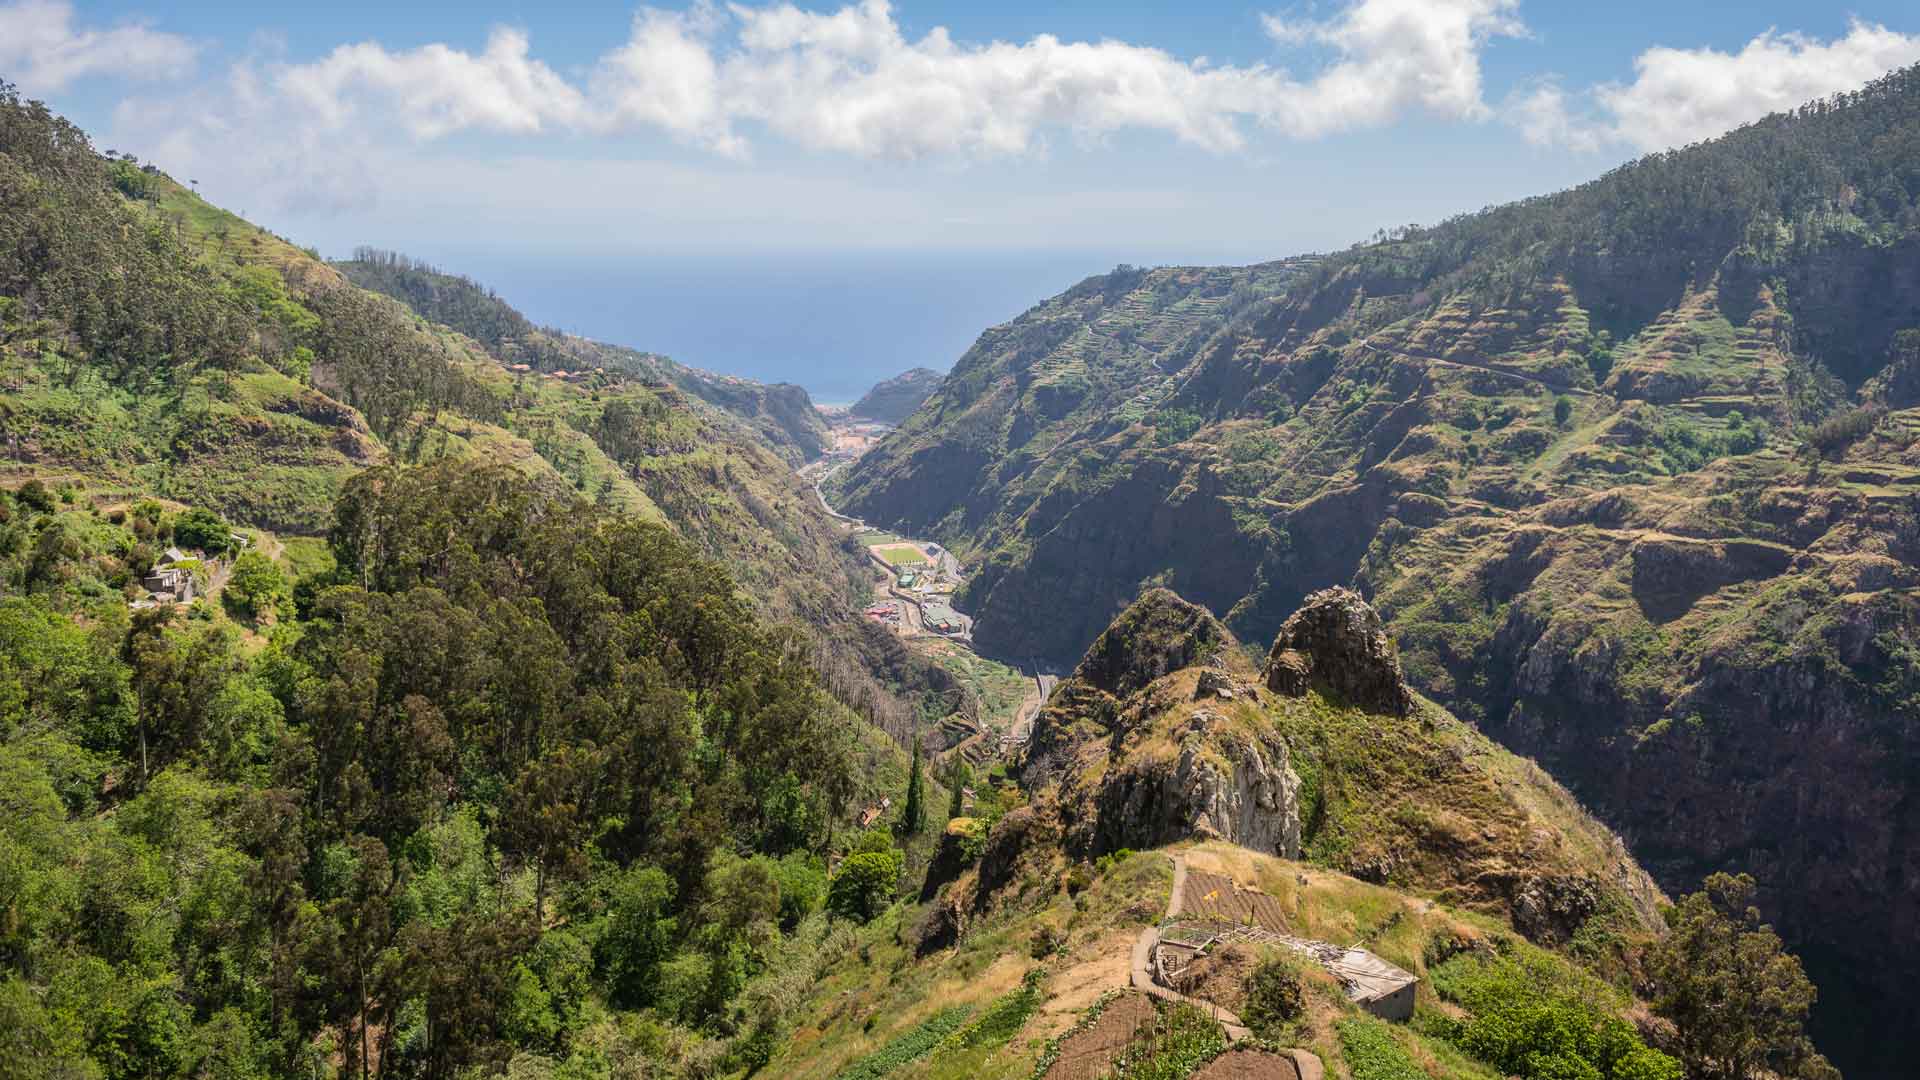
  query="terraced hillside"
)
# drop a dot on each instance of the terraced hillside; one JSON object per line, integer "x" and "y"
{"x": 1629, "y": 469}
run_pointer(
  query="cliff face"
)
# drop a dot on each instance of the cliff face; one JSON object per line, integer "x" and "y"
{"x": 893, "y": 400}
{"x": 1166, "y": 732}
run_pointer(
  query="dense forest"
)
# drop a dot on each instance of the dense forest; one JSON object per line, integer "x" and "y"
{"x": 504, "y": 773}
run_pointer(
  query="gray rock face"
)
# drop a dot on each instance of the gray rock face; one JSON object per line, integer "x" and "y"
{"x": 1337, "y": 642}
{"x": 1231, "y": 788}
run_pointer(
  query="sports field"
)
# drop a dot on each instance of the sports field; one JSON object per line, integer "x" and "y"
{"x": 900, "y": 554}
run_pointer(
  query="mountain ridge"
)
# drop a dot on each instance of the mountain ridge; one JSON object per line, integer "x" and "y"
{"x": 893, "y": 400}
{"x": 781, "y": 413}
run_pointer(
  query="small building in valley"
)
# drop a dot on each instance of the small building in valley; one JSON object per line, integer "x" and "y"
{"x": 170, "y": 584}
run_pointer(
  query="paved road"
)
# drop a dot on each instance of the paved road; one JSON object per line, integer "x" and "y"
{"x": 1029, "y": 711}
{"x": 818, "y": 494}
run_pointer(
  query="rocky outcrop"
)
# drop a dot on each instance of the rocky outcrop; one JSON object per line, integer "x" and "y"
{"x": 1156, "y": 635}
{"x": 1336, "y": 643}
{"x": 961, "y": 841}
{"x": 1229, "y": 788}
{"x": 939, "y": 928}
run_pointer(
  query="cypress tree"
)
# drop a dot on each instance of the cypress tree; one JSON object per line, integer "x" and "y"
{"x": 960, "y": 777}
{"x": 913, "y": 814}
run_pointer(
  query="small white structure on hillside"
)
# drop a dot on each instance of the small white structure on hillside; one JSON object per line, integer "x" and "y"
{"x": 1375, "y": 985}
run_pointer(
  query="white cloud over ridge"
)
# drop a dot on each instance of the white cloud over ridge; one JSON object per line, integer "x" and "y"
{"x": 1681, "y": 96}
{"x": 42, "y": 51}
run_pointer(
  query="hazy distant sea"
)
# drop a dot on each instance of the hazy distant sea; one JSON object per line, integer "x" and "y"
{"x": 836, "y": 324}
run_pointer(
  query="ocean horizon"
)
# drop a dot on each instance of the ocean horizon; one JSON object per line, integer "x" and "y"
{"x": 833, "y": 323}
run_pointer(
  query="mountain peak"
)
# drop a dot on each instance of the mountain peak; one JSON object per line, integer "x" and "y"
{"x": 1337, "y": 641}
{"x": 1158, "y": 634}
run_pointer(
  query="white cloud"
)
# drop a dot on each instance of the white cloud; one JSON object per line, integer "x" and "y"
{"x": 849, "y": 81}
{"x": 1541, "y": 113}
{"x": 1393, "y": 55}
{"x": 666, "y": 77}
{"x": 436, "y": 90}
{"x": 42, "y": 51}
{"x": 1680, "y": 96}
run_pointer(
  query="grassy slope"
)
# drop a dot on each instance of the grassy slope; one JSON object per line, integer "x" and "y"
{"x": 872, "y": 991}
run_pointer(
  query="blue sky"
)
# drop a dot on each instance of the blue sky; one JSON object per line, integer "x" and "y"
{"x": 829, "y": 193}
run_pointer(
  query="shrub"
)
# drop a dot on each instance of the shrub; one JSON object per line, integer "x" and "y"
{"x": 1838, "y": 432}
{"x": 203, "y": 529}
{"x": 1527, "y": 1019}
{"x": 1372, "y": 1053}
{"x": 34, "y": 496}
{"x": 863, "y": 885}
{"x": 1275, "y": 996}
{"x": 1562, "y": 410}
{"x": 803, "y": 883}
{"x": 256, "y": 585}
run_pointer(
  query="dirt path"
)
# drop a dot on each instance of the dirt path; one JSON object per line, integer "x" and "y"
{"x": 1558, "y": 388}
{"x": 1142, "y": 974}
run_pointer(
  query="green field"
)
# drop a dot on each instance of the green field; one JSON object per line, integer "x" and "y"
{"x": 900, "y": 554}
{"x": 875, "y": 539}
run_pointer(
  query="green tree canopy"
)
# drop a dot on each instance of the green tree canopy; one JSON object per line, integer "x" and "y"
{"x": 1738, "y": 998}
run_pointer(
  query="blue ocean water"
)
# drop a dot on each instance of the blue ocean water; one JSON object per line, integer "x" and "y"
{"x": 834, "y": 323}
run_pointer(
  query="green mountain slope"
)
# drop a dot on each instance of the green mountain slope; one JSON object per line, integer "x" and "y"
{"x": 893, "y": 400}
{"x": 153, "y": 344}
{"x": 781, "y": 413}
{"x": 1629, "y": 470}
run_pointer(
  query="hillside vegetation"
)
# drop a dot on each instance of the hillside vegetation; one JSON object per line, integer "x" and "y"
{"x": 782, "y": 414}
{"x": 152, "y": 344}
{"x": 893, "y": 400}
{"x": 1629, "y": 470}
{"x": 503, "y": 777}
{"x": 1528, "y": 927}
